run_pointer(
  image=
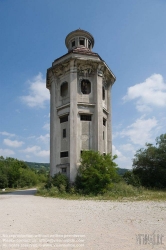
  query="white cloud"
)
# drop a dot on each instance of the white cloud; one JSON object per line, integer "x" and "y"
{"x": 122, "y": 160}
{"x": 151, "y": 92}
{"x": 127, "y": 147}
{"x": 43, "y": 153}
{"x": 46, "y": 126}
{"x": 6, "y": 152}
{"x": 7, "y": 134}
{"x": 141, "y": 130}
{"x": 44, "y": 138}
{"x": 14, "y": 144}
{"x": 115, "y": 151}
{"x": 31, "y": 149}
{"x": 36, "y": 150}
{"x": 38, "y": 94}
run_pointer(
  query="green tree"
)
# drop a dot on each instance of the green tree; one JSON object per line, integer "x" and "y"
{"x": 149, "y": 164}
{"x": 3, "y": 181}
{"x": 27, "y": 178}
{"x": 96, "y": 172}
{"x": 131, "y": 179}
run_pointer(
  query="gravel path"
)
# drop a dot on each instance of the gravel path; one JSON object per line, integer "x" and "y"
{"x": 32, "y": 222}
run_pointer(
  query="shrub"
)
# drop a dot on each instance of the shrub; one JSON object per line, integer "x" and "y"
{"x": 49, "y": 183}
{"x": 122, "y": 189}
{"x": 53, "y": 191}
{"x": 96, "y": 172}
{"x": 60, "y": 181}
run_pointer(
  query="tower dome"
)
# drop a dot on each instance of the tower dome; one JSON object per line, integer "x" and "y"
{"x": 79, "y": 39}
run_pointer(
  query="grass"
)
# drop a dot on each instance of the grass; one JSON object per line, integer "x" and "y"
{"x": 7, "y": 190}
{"x": 119, "y": 192}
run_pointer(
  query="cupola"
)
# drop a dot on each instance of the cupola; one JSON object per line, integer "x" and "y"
{"x": 79, "y": 39}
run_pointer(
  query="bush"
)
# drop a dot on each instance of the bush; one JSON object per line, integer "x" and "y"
{"x": 96, "y": 172}
{"x": 121, "y": 189}
{"x": 53, "y": 191}
{"x": 49, "y": 183}
{"x": 61, "y": 182}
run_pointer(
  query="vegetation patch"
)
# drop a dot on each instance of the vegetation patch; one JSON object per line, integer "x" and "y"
{"x": 16, "y": 174}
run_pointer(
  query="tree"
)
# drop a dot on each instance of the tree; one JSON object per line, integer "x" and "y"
{"x": 149, "y": 164}
{"x": 3, "y": 181}
{"x": 27, "y": 178}
{"x": 131, "y": 179}
{"x": 96, "y": 172}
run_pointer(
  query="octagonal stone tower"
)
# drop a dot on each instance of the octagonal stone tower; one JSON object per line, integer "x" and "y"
{"x": 80, "y": 104}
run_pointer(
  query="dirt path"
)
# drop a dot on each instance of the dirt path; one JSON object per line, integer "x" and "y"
{"x": 32, "y": 222}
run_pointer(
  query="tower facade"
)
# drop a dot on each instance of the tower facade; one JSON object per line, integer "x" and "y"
{"x": 80, "y": 104}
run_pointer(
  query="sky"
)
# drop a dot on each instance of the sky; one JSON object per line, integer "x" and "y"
{"x": 130, "y": 36}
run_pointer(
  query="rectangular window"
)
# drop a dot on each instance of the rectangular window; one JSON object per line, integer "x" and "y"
{"x": 85, "y": 117}
{"x": 89, "y": 44}
{"x": 64, "y": 119}
{"x": 64, "y": 170}
{"x": 63, "y": 154}
{"x": 73, "y": 43}
{"x": 104, "y": 122}
{"x": 82, "y": 41}
{"x": 64, "y": 133}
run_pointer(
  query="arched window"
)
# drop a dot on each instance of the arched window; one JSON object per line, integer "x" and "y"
{"x": 64, "y": 89}
{"x": 85, "y": 86}
{"x": 103, "y": 93}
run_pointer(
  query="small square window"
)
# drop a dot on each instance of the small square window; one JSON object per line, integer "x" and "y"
{"x": 64, "y": 119}
{"x": 64, "y": 133}
{"x": 64, "y": 170}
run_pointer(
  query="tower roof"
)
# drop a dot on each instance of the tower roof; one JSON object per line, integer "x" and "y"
{"x": 78, "y": 34}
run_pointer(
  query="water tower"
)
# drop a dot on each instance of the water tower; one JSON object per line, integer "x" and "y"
{"x": 80, "y": 104}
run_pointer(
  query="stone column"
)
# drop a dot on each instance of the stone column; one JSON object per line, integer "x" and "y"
{"x": 109, "y": 120}
{"x": 73, "y": 121}
{"x": 53, "y": 129}
{"x": 99, "y": 114}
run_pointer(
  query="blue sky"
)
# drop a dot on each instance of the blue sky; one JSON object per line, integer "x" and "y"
{"x": 129, "y": 35}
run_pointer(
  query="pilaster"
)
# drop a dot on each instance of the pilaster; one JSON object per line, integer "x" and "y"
{"x": 73, "y": 121}
{"x": 109, "y": 121}
{"x": 53, "y": 125}
{"x": 99, "y": 113}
